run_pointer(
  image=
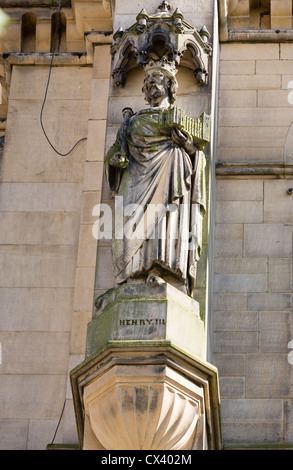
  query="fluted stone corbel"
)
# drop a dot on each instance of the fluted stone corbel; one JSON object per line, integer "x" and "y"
{"x": 131, "y": 397}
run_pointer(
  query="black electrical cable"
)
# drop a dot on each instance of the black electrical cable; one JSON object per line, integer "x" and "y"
{"x": 59, "y": 153}
{"x": 59, "y": 422}
{"x": 46, "y": 92}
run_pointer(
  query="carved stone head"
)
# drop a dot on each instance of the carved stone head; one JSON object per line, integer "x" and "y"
{"x": 160, "y": 80}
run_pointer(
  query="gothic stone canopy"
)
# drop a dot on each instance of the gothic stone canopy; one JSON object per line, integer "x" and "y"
{"x": 161, "y": 34}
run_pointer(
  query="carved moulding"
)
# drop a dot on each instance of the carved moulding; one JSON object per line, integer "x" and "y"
{"x": 131, "y": 397}
{"x": 161, "y": 34}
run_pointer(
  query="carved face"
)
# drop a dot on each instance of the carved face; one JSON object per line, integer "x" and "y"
{"x": 156, "y": 85}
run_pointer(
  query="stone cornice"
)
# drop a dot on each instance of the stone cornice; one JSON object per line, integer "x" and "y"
{"x": 254, "y": 170}
{"x": 269, "y": 35}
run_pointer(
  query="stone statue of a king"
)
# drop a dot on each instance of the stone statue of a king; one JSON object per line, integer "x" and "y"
{"x": 156, "y": 169}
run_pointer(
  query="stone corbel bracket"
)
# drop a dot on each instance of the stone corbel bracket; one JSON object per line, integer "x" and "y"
{"x": 129, "y": 397}
{"x": 161, "y": 34}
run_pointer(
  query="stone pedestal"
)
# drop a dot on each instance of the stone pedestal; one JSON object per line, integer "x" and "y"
{"x": 144, "y": 384}
{"x": 147, "y": 313}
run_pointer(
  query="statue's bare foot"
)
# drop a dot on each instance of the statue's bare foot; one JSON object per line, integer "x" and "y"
{"x": 153, "y": 279}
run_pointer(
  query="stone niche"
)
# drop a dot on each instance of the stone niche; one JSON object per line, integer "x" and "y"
{"x": 144, "y": 384}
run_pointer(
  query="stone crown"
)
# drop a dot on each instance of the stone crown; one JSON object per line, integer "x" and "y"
{"x": 161, "y": 64}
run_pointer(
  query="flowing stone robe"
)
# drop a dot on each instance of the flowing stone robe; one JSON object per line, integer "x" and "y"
{"x": 162, "y": 200}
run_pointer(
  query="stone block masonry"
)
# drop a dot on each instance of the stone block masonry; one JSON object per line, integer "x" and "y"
{"x": 41, "y": 203}
{"x": 254, "y": 111}
{"x": 253, "y": 320}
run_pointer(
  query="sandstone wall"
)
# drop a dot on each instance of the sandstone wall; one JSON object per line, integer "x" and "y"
{"x": 41, "y": 202}
{"x": 51, "y": 267}
{"x": 47, "y": 250}
{"x": 252, "y": 319}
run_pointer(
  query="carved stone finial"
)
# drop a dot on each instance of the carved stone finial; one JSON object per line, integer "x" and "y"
{"x": 204, "y": 34}
{"x": 164, "y": 6}
{"x": 177, "y": 18}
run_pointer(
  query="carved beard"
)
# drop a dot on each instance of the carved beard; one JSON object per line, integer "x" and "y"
{"x": 155, "y": 91}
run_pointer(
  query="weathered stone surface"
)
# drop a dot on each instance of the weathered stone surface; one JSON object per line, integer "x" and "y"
{"x": 235, "y": 321}
{"x": 249, "y": 51}
{"x": 237, "y": 99}
{"x": 37, "y": 266}
{"x": 30, "y": 309}
{"x": 240, "y": 282}
{"x": 146, "y": 313}
{"x": 260, "y": 136}
{"x": 13, "y": 434}
{"x": 251, "y": 155}
{"x": 230, "y": 301}
{"x": 232, "y": 387}
{"x": 275, "y": 331}
{"x": 235, "y": 341}
{"x": 135, "y": 377}
{"x": 40, "y": 433}
{"x": 39, "y": 227}
{"x": 237, "y": 67}
{"x": 51, "y": 197}
{"x": 255, "y": 123}
{"x": 252, "y": 433}
{"x": 19, "y": 355}
{"x": 286, "y": 51}
{"x": 110, "y": 400}
{"x": 250, "y": 82}
{"x": 239, "y": 190}
{"x": 269, "y": 301}
{"x": 229, "y": 232}
{"x": 252, "y": 410}
{"x": 267, "y": 240}
{"x": 65, "y": 83}
{"x": 273, "y": 98}
{"x": 230, "y": 364}
{"x": 256, "y": 116}
{"x": 240, "y": 266}
{"x": 234, "y": 212}
{"x": 229, "y": 248}
{"x": 288, "y": 412}
{"x": 278, "y": 206}
{"x": 99, "y": 98}
{"x": 280, "y": 274}
{"x": 267, "y": 376}
{"x": 19, "y": 389}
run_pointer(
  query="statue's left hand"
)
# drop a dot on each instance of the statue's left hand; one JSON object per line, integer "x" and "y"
{"x": 182, "y": 139}
{"x": 119, "y": 160}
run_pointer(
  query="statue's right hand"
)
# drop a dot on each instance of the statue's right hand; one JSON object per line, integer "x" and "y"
{"x": 119, "y": 160}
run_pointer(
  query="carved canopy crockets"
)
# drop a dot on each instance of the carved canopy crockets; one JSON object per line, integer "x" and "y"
{"x": 161, "y": 34}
